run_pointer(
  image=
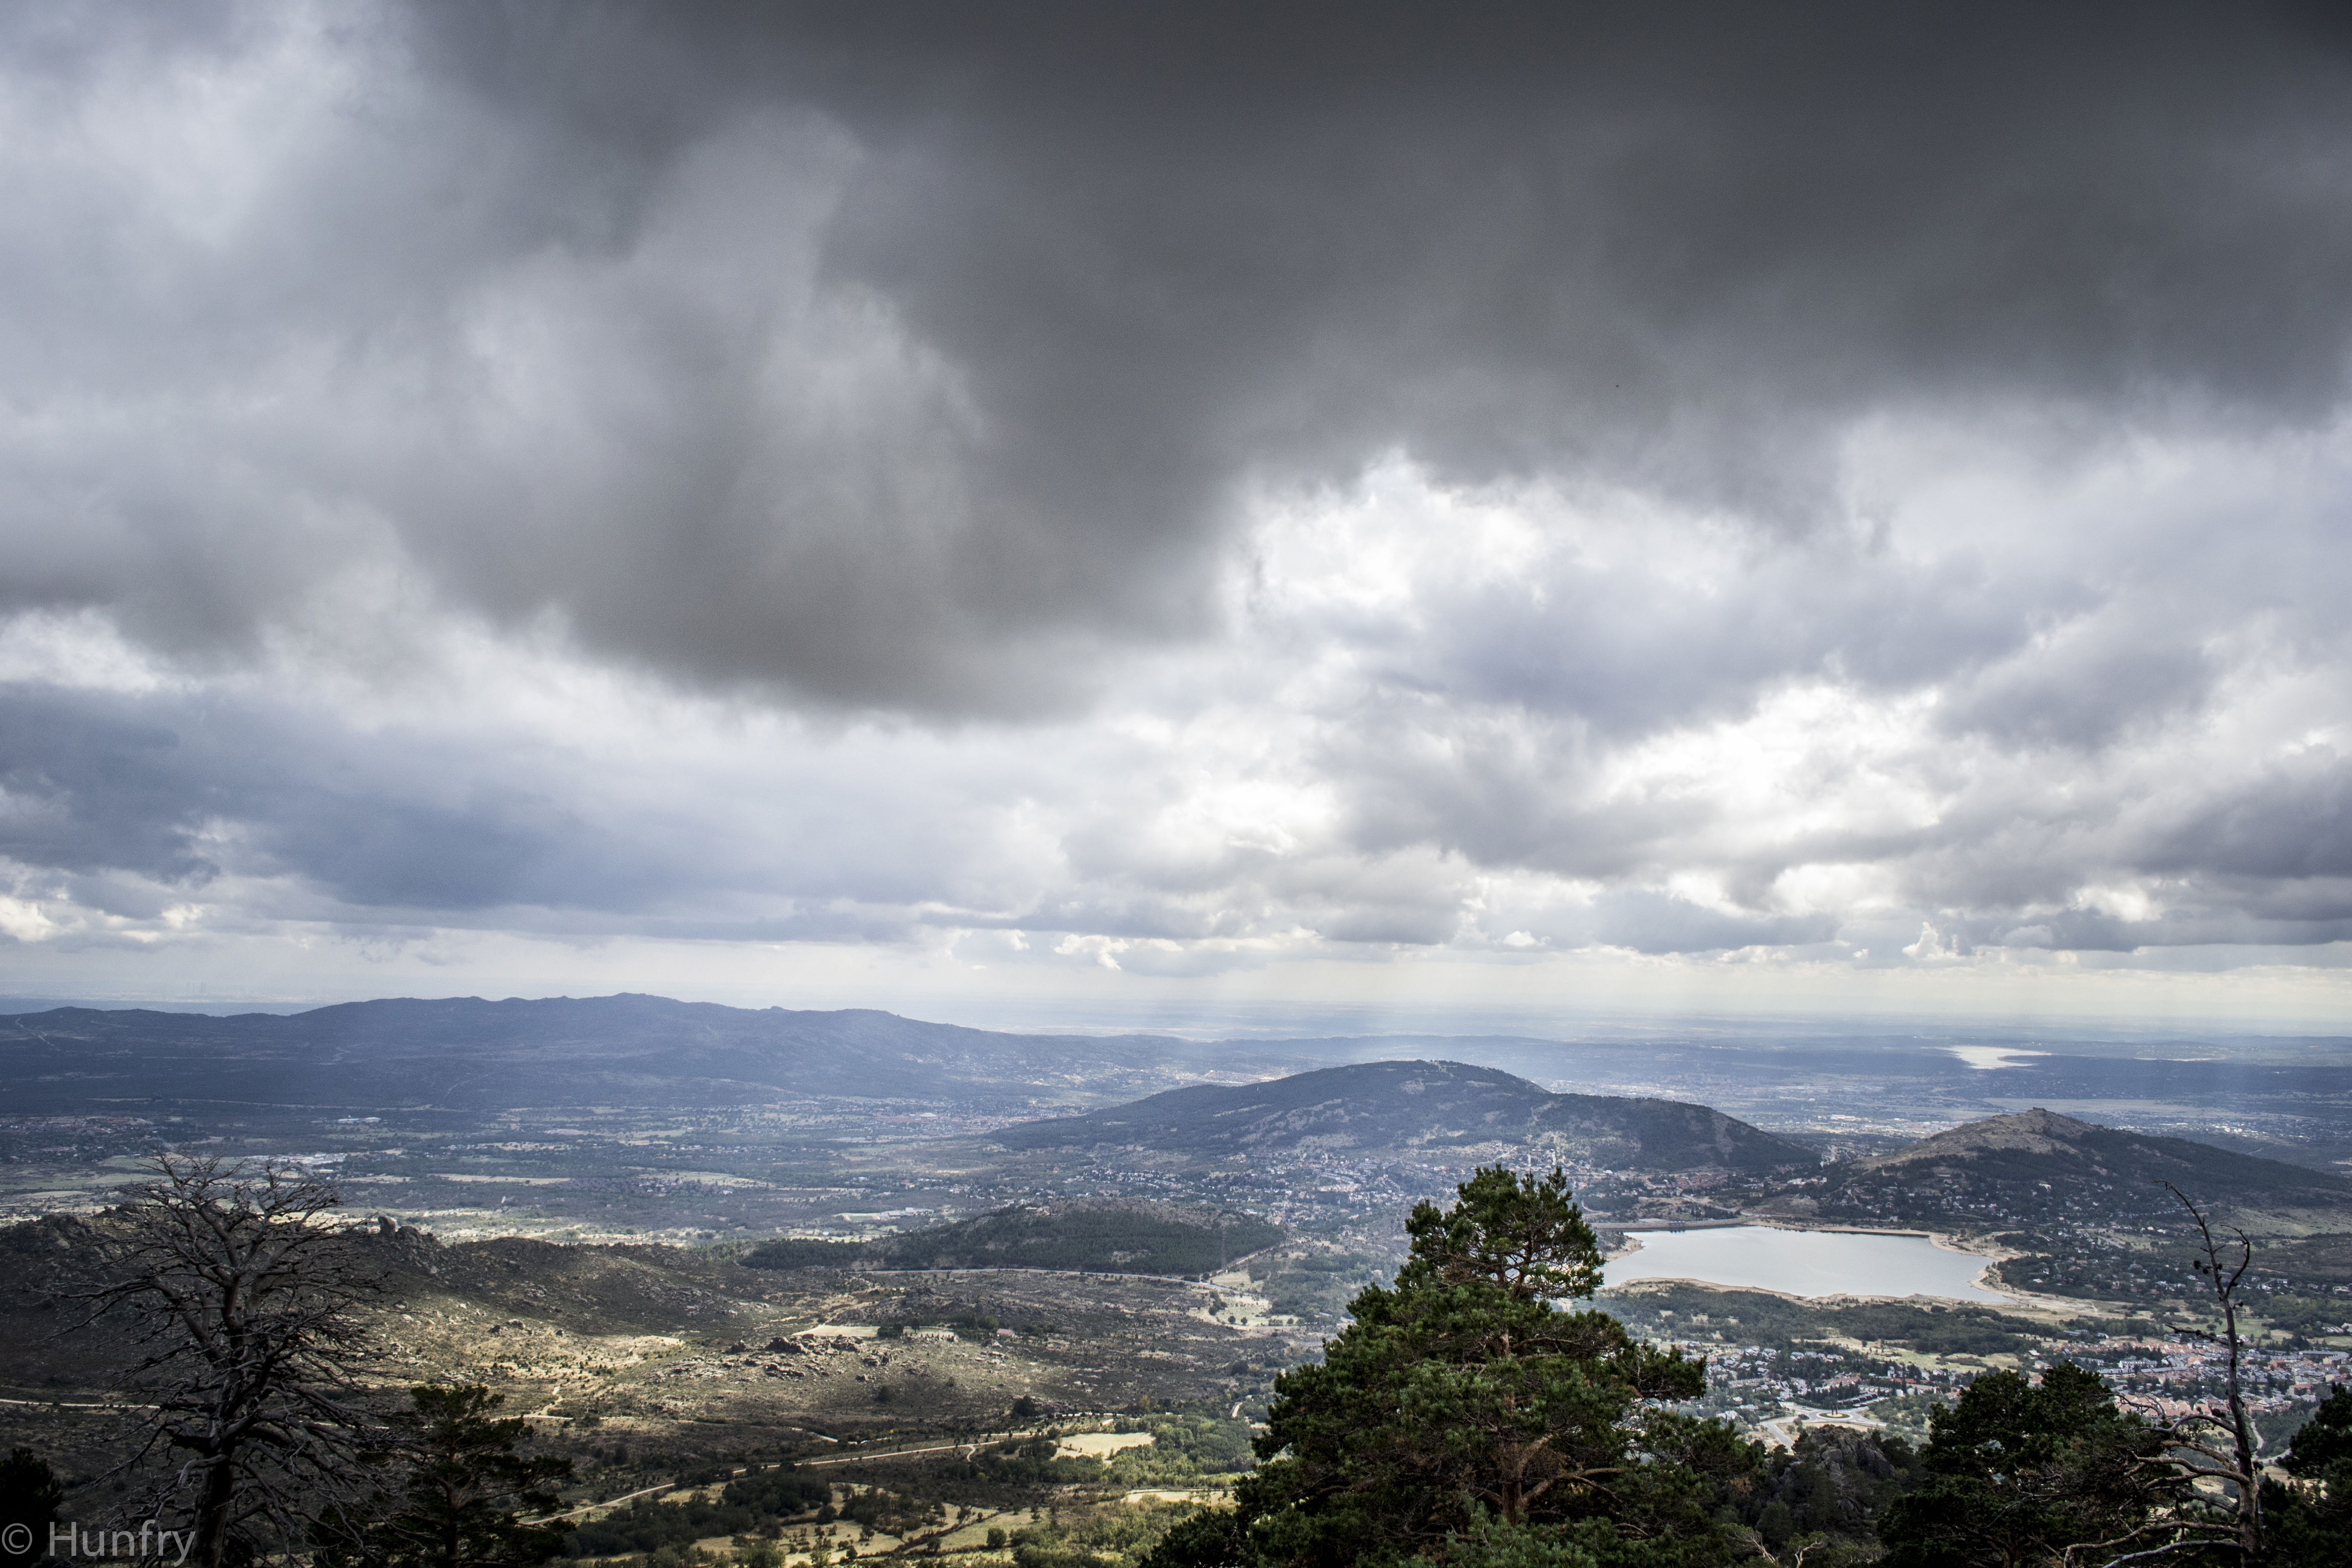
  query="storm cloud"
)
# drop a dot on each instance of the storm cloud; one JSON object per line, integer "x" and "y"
{"x": 1189, "y": 483}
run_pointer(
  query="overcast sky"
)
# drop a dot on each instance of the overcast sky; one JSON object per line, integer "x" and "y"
{"x": 1729, "y": 505}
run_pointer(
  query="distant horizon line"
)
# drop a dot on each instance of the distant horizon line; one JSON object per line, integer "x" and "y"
{"x": 1297, "y": 1019}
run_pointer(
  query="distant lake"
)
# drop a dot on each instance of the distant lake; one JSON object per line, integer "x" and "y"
{"x": 1803, "y": 1263}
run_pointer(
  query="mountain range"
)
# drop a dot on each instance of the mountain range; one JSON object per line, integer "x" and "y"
{"x": 466, "y": 1053}
{"x": 632, "y": 1051}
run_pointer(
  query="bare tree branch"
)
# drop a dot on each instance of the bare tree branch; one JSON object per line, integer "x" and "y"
{"x": 2240, "y": 1467}
{"x": 235, "y": 1288}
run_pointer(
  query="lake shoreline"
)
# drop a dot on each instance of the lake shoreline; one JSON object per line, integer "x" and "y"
{"x": 1734, "y": 1246}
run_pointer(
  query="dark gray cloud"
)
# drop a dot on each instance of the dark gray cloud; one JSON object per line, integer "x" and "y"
{"x": 181, "y": 794}
{"x": 1924, "y": 429}
{"x": 890, "y": 355}
{"x": 1657, "y": 923}
{"x": 2293, "y": 823}
{"x": 270, "y": 810}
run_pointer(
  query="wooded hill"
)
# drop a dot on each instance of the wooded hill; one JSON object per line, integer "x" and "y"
{"x": 1424, "y": 1105}
{"x": 1108, "y": 1238}
{"x": 2038, "y": 1164}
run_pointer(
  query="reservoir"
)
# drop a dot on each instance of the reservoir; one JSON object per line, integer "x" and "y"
{"x": 1804, "y": 1263}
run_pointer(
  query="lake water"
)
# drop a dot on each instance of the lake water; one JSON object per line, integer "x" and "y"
{"x": 1804, "y": 1263}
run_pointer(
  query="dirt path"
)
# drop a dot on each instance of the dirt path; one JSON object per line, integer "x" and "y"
{"x": 616, "y": 1502}
{"x": 966, "y": 1449}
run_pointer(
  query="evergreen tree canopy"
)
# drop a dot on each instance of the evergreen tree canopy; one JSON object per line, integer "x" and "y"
{"x": 1819, "y": 1500}
{"x": 1464, "y": 1416}
{"x": 2325, "y": 1440}
{"x": 30, "y": 1496}
{"x": 2016, "y": 1472}
{"x": 2310, "y": 1522}
{"x": 465, "y": 1499}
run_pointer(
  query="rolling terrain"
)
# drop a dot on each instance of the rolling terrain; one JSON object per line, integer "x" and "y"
{"x": 689, "y": 1352}
{"x": 1037, "y": 1269}
{"x": 467, "y": 1054}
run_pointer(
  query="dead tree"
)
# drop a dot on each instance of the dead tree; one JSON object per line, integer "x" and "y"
{"x": 2238, "y": 1467}
{"x": 236, "y": 1289}
{"x": 2202, "y": 1446}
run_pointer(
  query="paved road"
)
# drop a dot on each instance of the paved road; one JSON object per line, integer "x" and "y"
{"x": 966, "y": 1449}
{"x": 614, "y": 1502}
{"x": 1781, "y": 1430}
{"x": 1065, "y": 1273}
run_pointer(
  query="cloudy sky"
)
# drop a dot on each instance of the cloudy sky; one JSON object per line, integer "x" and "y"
{"x": 1826, "y": 506}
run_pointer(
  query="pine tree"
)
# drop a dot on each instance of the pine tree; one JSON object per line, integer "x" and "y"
{"x": 465, "y": 1498}
{"x": 2309, "y": 1521}
{"x": 2019, "y": 1472}
{"x": 30, "y": 1496}
{"x": 1463, "y": 1415}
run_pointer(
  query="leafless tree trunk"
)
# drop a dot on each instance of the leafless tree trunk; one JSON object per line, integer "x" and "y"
{"x": 237, "y": 1289}
{"x": 2202, "y": 1446}
{"x": 2239, "y": 1468}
